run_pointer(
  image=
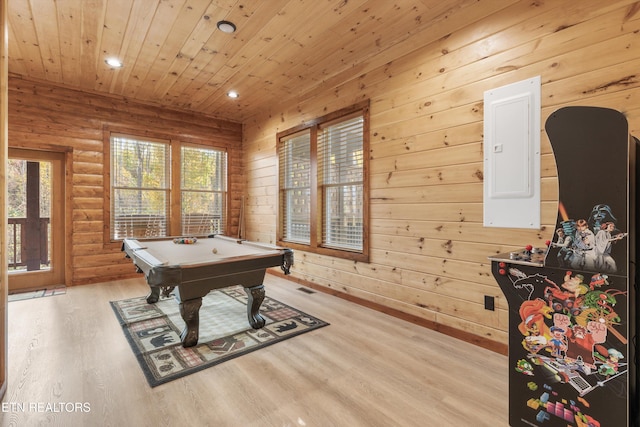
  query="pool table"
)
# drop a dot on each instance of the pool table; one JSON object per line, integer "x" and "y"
{"x": 194, "y": 269}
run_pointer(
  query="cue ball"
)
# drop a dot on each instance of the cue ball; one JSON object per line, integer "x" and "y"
{"x": 214, "y": 250}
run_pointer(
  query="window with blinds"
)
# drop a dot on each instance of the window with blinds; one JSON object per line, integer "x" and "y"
{"x": 341, "y": 178}
{"x": 323, "y": 184}
{"x": 203, "y": 190}
{"x": 150, "y": 198}
{"x": 295, "y": 163}
{"x": 140, "y": 185}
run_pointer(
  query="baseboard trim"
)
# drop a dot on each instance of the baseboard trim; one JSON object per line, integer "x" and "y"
{"x": 494, "y": 346}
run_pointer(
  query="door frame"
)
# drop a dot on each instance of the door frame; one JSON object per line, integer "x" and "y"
{"x": 4, "y": 137}
{"x": 56, "y": 275}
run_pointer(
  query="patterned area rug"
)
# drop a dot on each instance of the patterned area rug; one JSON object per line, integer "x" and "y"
{"x": 153, "y": 331}
{"x": 60, "y": 290}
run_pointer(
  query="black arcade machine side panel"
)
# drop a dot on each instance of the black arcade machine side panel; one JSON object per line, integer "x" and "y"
{"x": 569, "y": 302}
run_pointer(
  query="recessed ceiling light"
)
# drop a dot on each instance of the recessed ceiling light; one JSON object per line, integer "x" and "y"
{"x": 113, "y": 62}
{"x": 232, "y": 94}
{"x": 226, "y": 27}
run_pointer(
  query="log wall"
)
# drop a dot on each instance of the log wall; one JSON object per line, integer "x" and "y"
{"x": 46, "y": 117}
{"x": 428, "y": 245}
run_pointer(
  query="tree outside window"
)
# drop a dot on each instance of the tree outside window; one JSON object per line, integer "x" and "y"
{"x": 203, "y": 190}
{"x": 145, "y": 184}
{"x": 140, "y": 185}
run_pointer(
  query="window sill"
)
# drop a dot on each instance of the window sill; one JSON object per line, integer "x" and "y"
{"x": 337, "y": 253}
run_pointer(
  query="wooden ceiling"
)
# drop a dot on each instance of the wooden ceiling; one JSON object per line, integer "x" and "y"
{"x": 175, "y": 56}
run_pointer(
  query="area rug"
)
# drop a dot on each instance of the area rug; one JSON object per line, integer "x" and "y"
{"x": 153, "y": 331}
{"x": 60, "y": 290}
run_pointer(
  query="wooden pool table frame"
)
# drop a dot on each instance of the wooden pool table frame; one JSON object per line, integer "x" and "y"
{"x": 192, "y": 281}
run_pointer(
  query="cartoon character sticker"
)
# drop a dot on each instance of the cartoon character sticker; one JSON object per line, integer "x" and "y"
{"x": 587, "y": 244}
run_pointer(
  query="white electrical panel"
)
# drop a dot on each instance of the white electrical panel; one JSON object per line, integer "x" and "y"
{"x": 512, "y": 155}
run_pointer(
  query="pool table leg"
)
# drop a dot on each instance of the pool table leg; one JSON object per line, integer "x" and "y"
{"x": 189, "y": 310}
{"x": 255, "y": 296}
{"x": 154, "y": 295}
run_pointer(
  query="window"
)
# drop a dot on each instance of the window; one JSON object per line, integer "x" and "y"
{"x": 203, "y": 190}
{"x": 152, "y": 195}
{"x": 341, "y": 177}
{"x": 139, "y": 188}
{"x": 323, "y": 184}
{"x": 295, "y": 156}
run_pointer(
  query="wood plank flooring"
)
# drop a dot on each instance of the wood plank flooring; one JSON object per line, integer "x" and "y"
{"x": 365, "y": 369}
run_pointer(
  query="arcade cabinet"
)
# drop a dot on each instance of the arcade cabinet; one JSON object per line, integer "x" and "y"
{"x": 573, "y": 300}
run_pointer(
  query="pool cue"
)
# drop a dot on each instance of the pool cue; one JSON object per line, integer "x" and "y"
{"x": 241, "y": 219}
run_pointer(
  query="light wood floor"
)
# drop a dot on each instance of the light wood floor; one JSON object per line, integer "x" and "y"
{"x": 365, "y": 369}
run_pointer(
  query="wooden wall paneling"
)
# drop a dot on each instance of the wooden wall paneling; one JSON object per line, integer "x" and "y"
{"x": 439, "y": 319}
{"x": 452, "y": 288}
{"x": 485, "y": 58}
{"x": 401, "y": 282}
{"x": 452, "y": 193}
{"x": 456, "y": 17}
{"x": 426, "y": 150}
{"x": 472, "y": 272}
{"x": 453, "y": 211}
{"x": 441, "y": 138}
{"x": 286, "y": 48}
{"x": 4, "y": 280}
{"x": 433, "y": 33}
{"x": 457, "y": 211}
{"x": 441, "y": 247}
{"x": 621, "y": 100}
{"x": 443, "y": 77}
{"x": 190, "y": 126}
{"x": 48, "y": 117}
{"x": 462, "y": 165}
{"x": 456, "y": 172}
{"x": 415, "y": 125}
{"x": 592, "y": 84}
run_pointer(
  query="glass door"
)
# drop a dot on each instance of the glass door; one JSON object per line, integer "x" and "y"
{"x": 35, "y": 210}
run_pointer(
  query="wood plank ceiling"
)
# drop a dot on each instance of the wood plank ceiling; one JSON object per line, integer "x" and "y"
{"x": 175, "y": 56}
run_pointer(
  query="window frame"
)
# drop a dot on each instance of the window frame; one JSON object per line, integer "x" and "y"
{"x": 181, "y": 189}
{"x": 284, "y": 189}
{"x": 164, "y": 188}
{"x": 174, "y": 220}
{"x": 316, "y": 198}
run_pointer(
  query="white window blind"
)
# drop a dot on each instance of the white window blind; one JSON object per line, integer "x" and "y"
{"x": 340, "y": 175}
{"x": 295, "y": 163}
{"x": 139, "y": 188}
{"x": 203, "y": 190}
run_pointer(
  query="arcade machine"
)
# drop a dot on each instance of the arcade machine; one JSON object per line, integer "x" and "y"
{"x": 573, "y": 303}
